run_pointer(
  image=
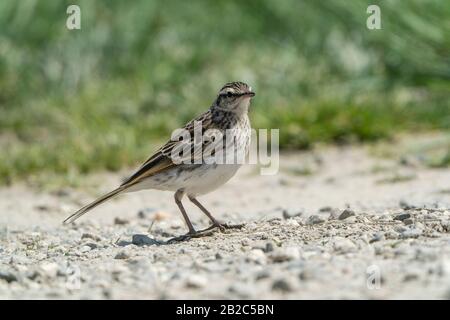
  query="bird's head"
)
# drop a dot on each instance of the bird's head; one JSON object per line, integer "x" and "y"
{"x": 235, "y": 97}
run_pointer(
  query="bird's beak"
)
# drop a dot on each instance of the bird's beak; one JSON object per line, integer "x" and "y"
{"x": 250, "y": 94}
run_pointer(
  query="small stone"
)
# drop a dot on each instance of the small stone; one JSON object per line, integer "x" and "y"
{"x": 122, "y": 255}
{"x": 85, "y": 249}
{"x": 402, "y": 216}
{"x": 32, "y": 275}
{"x": 196, "y": 281}
{"x": 269, "y": 247}
{"x": 350, "y": 220}
{"x": 49, "y": 269}
{"x": 411, "y": 233}
{"x": 445, "y": 225}
{"x": 143, "y": 240}
{"x": 120, "y": 221}
{"x": 242, "y": 290}
{"x": 288, "y": 214}
{"x": 285, "y": 254}
{"x": 343, "y": 245}
{"x": 410, "y": 277}
{"x": 401, "y": 229}
{"x": 406, "y": 206}
{"x": 218, "y": 256}
{"x": 408, "y": 221}
{"x": 292, "y": 223}
{"x": 314, "y": 219}
{"x": 281, "y": 285}
{"x": 8, "y": 276}
{"x": 257, "y": 256}
{"x": 347, "y": 213}
{"x": 326, "y": 209}
{"x": 19, "y": 260}
{"x": 391, "y": 235}
{"x": 91, "y": 236}
{"x": 306, "y": 275}
{"x": 4, "y": 232}
{"x": 377, "y": 237}
{"x": 263, "y": 274}
{"x": 145, "y": 213}
{"x": 275, "y": 221}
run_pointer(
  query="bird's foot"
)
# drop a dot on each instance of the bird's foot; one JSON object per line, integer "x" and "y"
{"x": 205, "y": 232}
{"x": 192, "y": 234}
{"x": 224, "y": 226}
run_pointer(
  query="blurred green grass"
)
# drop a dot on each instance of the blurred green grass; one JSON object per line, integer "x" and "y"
{"x": 104, "y": 96}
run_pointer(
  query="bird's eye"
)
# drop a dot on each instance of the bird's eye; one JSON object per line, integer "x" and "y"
{"x": 229, "y": 94}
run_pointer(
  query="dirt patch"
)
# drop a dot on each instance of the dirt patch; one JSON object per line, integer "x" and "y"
{"x": 324, "y": 227}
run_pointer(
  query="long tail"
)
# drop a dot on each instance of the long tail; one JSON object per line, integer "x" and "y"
{"x": 93, "y": 204}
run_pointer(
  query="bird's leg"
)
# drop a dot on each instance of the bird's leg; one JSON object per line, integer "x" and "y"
{"x": 178, "y": 196}
{"x": 216, "y": 223}
{"x": 205, "y": 211}
{"x": 192, "y": 232}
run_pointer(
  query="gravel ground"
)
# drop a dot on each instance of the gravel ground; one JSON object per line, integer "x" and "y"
{"x": 333, "y": 224}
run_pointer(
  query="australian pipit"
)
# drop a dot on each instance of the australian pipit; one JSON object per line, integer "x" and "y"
{"x": 205, "y": 163}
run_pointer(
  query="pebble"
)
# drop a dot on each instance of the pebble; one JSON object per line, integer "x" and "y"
{"x": 49, "y": 269}
{"x": 292, "y": 223}
{"x": 269, "y": 247}
{"x": 408, "y": 221}
{"x": 4, "y": 233}
{"x": 306, "y": 274}
{"x": 401, "y": 229}
{"x": 122, "y": 255}
{"x": 314, "y": 219}
{"x": 288, "y": 214}
{"x": 285, "y": 254}
{"x": 19, "y": 259}
{"x": 91, "y": 236}
{"x": 347, "y": 213}
{"x": 377, "y": 237}
{"x": 257, "y": 256}
{"x": 391, "y": 235}
{"x": 411, "y": 233}
{"x": 85, "y": 249}
{"x": 7, "y": 276}
{"x": 343, "y": 245}
{"x": 142, "y": 240}
{"x": 350, "y": 220}
{"x": 281, "y": 285}
{"x": 263, "y": 274}
{"x": 326, "y": 209}
{"x": 410, "y": 277}
{"x": 120, "y": 221}
{"x": 196, "y": 281}
{"x": 402, "y": 216}
{"x": 243, "y": 291}
{"x": 405, "y": 206}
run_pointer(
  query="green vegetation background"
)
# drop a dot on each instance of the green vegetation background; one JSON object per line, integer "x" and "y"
{"x": 104, "y": 96}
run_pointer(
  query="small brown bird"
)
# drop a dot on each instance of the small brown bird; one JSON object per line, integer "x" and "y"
{"x": 227, "y": 116}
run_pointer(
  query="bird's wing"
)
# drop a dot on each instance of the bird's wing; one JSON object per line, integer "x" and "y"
{"x": 162, "y": 159}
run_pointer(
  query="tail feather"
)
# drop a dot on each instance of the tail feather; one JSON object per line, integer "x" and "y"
{"x": 93, "y": 204}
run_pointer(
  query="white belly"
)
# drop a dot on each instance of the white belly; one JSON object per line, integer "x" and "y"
{"x": 194, "y": 180}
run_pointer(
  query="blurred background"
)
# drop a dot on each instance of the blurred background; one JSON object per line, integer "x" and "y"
{"x": 105, "y": 96}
